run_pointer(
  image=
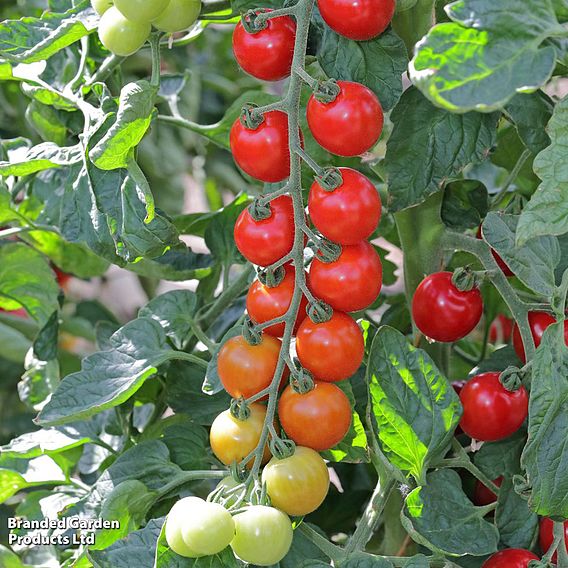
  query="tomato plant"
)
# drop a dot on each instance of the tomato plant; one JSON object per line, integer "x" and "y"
{"x": 283, "y": 283}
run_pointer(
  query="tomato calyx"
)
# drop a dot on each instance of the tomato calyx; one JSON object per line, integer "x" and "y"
{"x": 282, "y": 448}
{"x": 330, "y": 180}
{"x": 512, "y": 378}
{"x": 465, "y": 279}
{"x": 272, "y": 277}
{"x": 240, "y": 409}
{"x": 320, "y": 312}
{"x": 251, "y": 333}
{"x": 260, "y": 211}
{"x": 327, "y": 251}
{"x": 254, "y": 22}
{"x": 302, "y": 381}
{"x": 327, "y": 91}
{"x": 250, "y": 118}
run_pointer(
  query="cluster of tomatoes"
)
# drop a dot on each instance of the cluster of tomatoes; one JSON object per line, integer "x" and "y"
{"x": 329, "y": 347}
{"x": 491, "y": 412}
{"x": 125, "y": 25}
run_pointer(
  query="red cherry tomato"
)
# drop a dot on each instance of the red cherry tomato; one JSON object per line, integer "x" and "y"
{"x": 348, "y": 214}
{"x": 357, "y": 19}
{"x": 546, "y": 535}
{"x": 538, "y": 322}
{"x": 62, "y": 277}
{"x": 352, "y": 282}
{"x": 266, "y": 54}
{"x": 502, "y": 265}
{"x": 246, "y": 369}
{"x": 351, "y": 124}
{"x": 442, "y": 312}
{"x": 265, "y": 303}
{"x": 510, "y": 558}
{"x": 267, "y": 241}
{"x": 501, "y": 329}
{"x": 263, "y": 153}
{"x": 490, "y": 411}
{"x": 331, "y": 351}
{"x": 483, "y": 495}
{"x": 319, "y": 419}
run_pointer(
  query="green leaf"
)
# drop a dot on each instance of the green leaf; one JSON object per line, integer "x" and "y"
{"x": 501, "y": 458}
{"x": 465, "y": 204}
{"x": 187, "y": 443}
{"x": 46, "y": 122}
{"x": 353, "y": 448}
{"x": 135, "y": 109}
{"x": 362, "y": 560}
{"x": 440, "y": 516}
{"x": 429, "y": 147}
{"x": 378, "y": 63}
{"x": 41, "y": 157}
{"x": 47, "y": 95}
{"x": 175, "y": 312}
{"x": 545, "y": 456}
{"x": 241, "y": 6}
{"x": 415, "y": 407}
{"x": 137, "y": 549}
{"x": 517, "y": 525}
{"x": 534, "y": 263}
{"x": 109, "y": 378}
{"x": 493, "y": 52}
{"x": 34, "y": 39}
{"x": 547, "y": 211}
{"x": 531, "y": 113}
{"x": 26, "y": 280}
{"x": 8, "y": 559}
{"x": 13, "y": 344}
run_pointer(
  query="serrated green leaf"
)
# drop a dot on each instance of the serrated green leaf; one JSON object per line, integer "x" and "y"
{"x": 429, "y": 147}
{"x": 41, "y": 157}
{"x": 45, "y": 121}
{"x": 47, "y": 95}
{"x": 8, "y": 559}
{"x": 440, "y": 516}
{"x": 415, "y": 407}
{"x": 545, "y": 456}
{"x": 490, "y": 52}
{"x": 465, "y": 204}
{"x": 13, "y": 344}
{"x": 362, "y": 560}
{"x": 108, "y": 378}
{"x": 503, "y": 457}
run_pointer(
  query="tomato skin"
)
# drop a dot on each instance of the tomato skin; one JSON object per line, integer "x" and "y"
{"x": 299, "y": 484}
{"x": 174, "y": 522}
{"x": 331, "y": 351}
{"x": 246, "y": 369}
{"x": 351, "y": 283}
{"x": 357, "y": 19}
{"x": 267, "y": 54}
{"x": 267, "y": 241}
{"x": 546, "y": 535}
{"x": 101, "y": 6}
{"x": 538, "y": 322}
{"x": 442, "y": 312}
{"x": 178, "y": 16}
{"x": 263, "y": 153}
{"x": 319, "y": 419}
{"x": 263, "y": 535}
{"x": 233, "y": 439}
{"x": 265, "y": 303}
{"x": 349, "y": 214}
{"x": 141, "y": 11}
{"x": 510, "y": 558}
{"x": 351, "y": 124}
{"x": 501, "y": 329}
{"x": 121, "y": 36}
{"x": 482, "y": 495}
{"x": 490, "y": 411}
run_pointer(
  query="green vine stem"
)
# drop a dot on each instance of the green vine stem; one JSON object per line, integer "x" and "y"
{"x": 559, "y": 538}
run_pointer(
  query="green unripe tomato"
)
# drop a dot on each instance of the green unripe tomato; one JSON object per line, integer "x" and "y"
{"x": 178, "y": 16}
{"x": 141, "y": 11}
{"x": 209, "y": 530}
{"x": 121, "y": 36}
{"x": 190, "y": 506}
{"x": 101, "y": 6}
{"x": 263, "y": 535}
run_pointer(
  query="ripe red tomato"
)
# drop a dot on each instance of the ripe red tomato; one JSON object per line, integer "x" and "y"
{"x": 510, "y": 558}
{"x": 442, "y": 312}
{"x": 546, "y": 535}
{"x": 331, "y": 351}
{"x": 490, "y": 411}
{"x": 267, "y": 241}
{"x": 357, "y": 19}
{"x": 263, "y": 153}
{"x": 319, "y": 419}
{"x": 265, "y": 303}
{"x": 501, "y": 329}
{"x": 266, "y": 54}
{"x": 247, "y": 369}
{"x": 352, "y": 282}
{"x": 350, "y": 213}
{"x": 502, "y": 265}
{"x": 538, "y": 322}
{"x": 482, "y": 495}
{"x": 351, "y": 124}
